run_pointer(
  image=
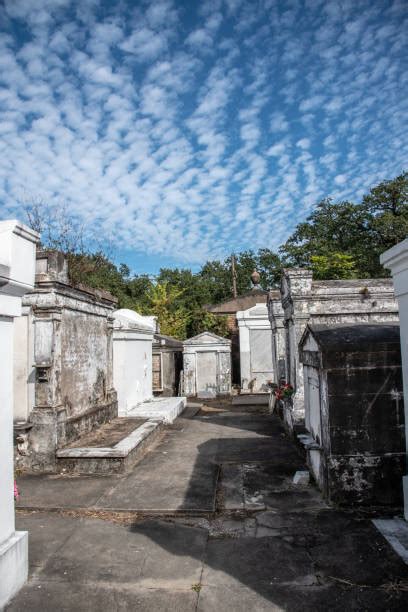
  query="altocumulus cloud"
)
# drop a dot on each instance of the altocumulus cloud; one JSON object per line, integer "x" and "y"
{"x": 189, "y": 129}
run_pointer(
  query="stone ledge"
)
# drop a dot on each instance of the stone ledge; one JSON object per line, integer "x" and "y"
{"x": 121, "y": 449}
{"x": 395, "y": 531}
{"x": 110, "y": 460}
{"x": 251, "y": 399}
{"x": 309, "y": 442}
{"x": 164, "y": 409}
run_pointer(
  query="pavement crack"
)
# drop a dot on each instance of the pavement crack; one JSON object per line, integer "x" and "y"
{"x": 200, "y": 583}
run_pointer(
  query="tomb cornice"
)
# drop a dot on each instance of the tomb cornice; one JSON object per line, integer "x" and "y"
{"x": 67, "y": 300}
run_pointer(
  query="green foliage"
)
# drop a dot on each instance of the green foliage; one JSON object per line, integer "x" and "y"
{"x": 163, "y": 302}
{"x": 335, "y": 266}
{"x": 359, "y": 231}
{"x": 332, "y": 227}
{"x": 201, "y": 320}
{"x": 96, "y": 270}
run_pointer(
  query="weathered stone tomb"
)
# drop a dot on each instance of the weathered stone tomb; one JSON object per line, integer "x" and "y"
{"x": 277, "y": 322}
{"x": 354, "y": 411}
{"x": 396, "y": 260}
{"x": 330, "y": 302}
{"x": 255, "y": 343}
{"x": 167, "y": 365}
{"x": 17, "y": 267}
{"x": 229, "y": 309}
{"x": 132, "y": 359}
{"x": 63, "y": 349}
{"x": 207, "y": 365}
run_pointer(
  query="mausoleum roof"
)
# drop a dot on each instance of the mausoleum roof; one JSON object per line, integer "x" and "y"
{"x": 357, "y": 337}
{"x": 130, "y": 319}
{"x": 169, "y": 341}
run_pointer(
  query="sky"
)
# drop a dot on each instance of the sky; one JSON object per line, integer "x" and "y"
{"x": 181, "y": 131}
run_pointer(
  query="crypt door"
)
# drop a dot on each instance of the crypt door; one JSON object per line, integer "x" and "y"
{"x": 157, "y": 372}
{"x": 207, "y": 372}
{"x": 261, "y": 357}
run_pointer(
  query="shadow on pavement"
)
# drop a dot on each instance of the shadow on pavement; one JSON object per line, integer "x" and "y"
{"x": 294, "y": 553}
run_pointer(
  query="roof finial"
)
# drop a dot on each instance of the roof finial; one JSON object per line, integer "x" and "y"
{"x": 255, "y": 278}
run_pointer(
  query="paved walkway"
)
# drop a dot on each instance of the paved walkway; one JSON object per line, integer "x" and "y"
{"x": 209, "y": 521}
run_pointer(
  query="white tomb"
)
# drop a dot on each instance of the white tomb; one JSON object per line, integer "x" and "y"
{"x": 17, "y": 270}
{"x": 207, "y": 365}
{"x": 132, "y": 358}
{"x": 396, "y": 260}
{"x": 255, "y": 348}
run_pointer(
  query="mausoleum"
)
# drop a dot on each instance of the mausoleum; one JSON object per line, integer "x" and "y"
{"x": 329, "y": 302}
{"x": 17, "y": 268}
{"x": 255, "y": 345}
{"x": 167, "y": 365}
{"x": 354, "y": 412}
{"x": 132, "y": 358}
{"x": 207, "y": 365}
{"x": 63, "y": 366}
{"x": 229, "y": 309}
{"x": 396, "y": 260}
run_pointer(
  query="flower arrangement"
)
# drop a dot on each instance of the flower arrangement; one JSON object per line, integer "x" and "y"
{"x": 283, "y": 392}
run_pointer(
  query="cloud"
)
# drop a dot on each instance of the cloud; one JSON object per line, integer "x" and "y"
{"x": 304, "y": 143}
{"x": 145, "y": 44}
{"x": 188, "y": 133}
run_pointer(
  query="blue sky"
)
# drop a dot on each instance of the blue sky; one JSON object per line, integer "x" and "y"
{"x": 184, "y": 130}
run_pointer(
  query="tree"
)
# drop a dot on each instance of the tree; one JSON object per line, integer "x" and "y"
{"x": 386, "y": 207}
{"x": 216, "y": 277}
{"x": 269, "y": 265}
{"x": 360, "y": 232}
{"x": 162, "y": 300}
{"x": 58, "y": 228}
{"x": 332, "y": 227}
{"x": 201, "y": 320}
{"x": 334, "y": 266}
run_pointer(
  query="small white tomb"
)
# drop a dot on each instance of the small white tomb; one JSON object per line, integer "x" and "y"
{"x": 255, "y": 347}
{"x": 17, "y": 269}
{"x": 207, "y": 365}
{"x": 132, "y": 358}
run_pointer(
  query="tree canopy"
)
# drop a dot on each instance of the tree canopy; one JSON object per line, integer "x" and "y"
{"x": 358, "y": 233}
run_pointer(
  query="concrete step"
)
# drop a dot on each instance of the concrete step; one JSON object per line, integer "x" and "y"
{"x": 191, "y": 410}
{"x": 251, "y": 399}
{"x": 165, "y": 409}
{"x": 113, "y": 449}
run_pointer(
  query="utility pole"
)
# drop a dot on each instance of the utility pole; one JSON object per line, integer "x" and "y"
{"x": 234, "y": 276}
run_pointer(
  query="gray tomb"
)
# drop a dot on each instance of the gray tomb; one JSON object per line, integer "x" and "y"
{"x": 167, "y": 365}
{"x": 207, "y": 365}
{"x": 354, "y": 412}
{"x": 64, "y": 375}
{"x": 328, "y": 302}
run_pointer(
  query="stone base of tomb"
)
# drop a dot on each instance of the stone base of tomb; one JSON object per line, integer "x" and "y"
{"x": 292, "y": 419}
{"x": 116, "y": 447}
{"x": 13, "y": 565}
{"x": 52, "y": 428}
{"x": 365, "y": 480}
{"x": 395, "y": 531}
{"x": 251, "y": 399}
{"x": 114, "y": 454}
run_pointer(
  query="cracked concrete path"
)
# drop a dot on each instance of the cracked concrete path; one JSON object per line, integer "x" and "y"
{"x": 267, "y": 546}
